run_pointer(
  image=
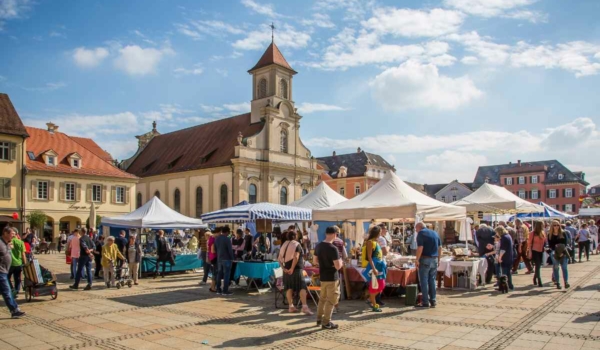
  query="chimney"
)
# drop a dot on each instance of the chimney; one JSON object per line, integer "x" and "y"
{"x": 334, "y": 154}
{"x": 519, "y": 162}
{"x": 358, "y": 150}
{"x": 52, "y": 127}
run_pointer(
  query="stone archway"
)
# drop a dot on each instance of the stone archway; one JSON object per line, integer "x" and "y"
{"x": 68, "y": 224}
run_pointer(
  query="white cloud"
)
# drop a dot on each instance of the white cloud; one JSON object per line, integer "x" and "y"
{"x": 307, "y": 108}
{"x": 135, "y": 60}
{"x": 243, "y": 107}
{"x": 286, "y": 36}
{"x": 215, "y": 28}
{"x": 354, "y": 10}
{"x": 572, "y": 56}
{"x": 414, "y": 23}
{"x": 320, "y": 20}
{"x": 581, "y": 133}
{"x": 469, "y": 60}
{"x": 188, "y": 31}
{"x": 498, "y": 8}
{"x": 12, "y": 9}
{"x": 222, "y": 72}
{"x": 211, "y": 109}
{"x": 118, "y": 150}
{"x": 261, "y": 9}
{"x": 92, "y": 125}
{"x": 196, "y": 70}
{"x": 414, "y": 85}
{"x": 88, "y": 58}
{"x": 167, "y": 112}
{"x": 483, "y": 47}
{"x": 47, "y": 87}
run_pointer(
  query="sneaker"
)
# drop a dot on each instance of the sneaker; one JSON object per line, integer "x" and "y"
{"x": 330, "y": 325}
{"x": 88, "y": 287}
{"x": 567, "y": 286}
{"x": 376, "y": 309}
{"x": 226, "y": 293}
{"x": 558, "y": 286}
{"x": 73, "y": 287}
{"x": 17, "y": 314}
{"x": 318, "y": 323}
{"x": 515, "y": 273}
{"x": 433, "y": 305}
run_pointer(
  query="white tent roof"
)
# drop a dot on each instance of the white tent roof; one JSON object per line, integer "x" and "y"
{"x": 589, "y": 212}
{"x": 390, "y": 199}
{"x": 154, "y": 214}
{"x": 321, "y": 197}
{"x": 495, "y": 199}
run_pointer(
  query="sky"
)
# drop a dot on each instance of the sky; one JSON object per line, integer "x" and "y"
{"x": 437, "y": 88}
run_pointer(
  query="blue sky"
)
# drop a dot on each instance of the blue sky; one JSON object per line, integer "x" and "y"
{"x": 436, "y": 87}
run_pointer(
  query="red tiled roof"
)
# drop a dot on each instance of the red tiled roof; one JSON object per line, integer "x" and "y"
{"x": 42, "y": 140}
{"x": 272, "y": 56}
{"x": 10, "y": 123}
{"x": 204, "y": 146}
{"x": 93, "y": 147}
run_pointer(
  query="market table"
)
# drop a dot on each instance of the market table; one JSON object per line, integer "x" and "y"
{"x": 394, "y": 276}
{"x": 252, "y": 270}
{"x": 183, "y": 262}
{"x": 474, "y": 267}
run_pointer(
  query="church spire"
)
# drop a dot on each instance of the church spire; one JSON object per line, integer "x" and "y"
{"x": 271, "y": 56}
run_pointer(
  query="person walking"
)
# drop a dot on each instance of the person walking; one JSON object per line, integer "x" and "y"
{"x": 98, "y": 257}
{"x": 203, "y": 245}
{"x": 429, "y": 251}
{"x": 73, "y": 249}
{"x": 522, "y": 237}
{"x": 133, "y": 253}
{"x": 163, "y": 253}
{"x": 593, "y": 228}
{"x": 212, "y": 257}
{"x": 328, "y": 259}
{"x": 86, "y": 248}
{"x": 110, "y": 254}
{"x": 505, "y": 259}
{"x": 62, "y": 240}
{"x": 18, "y": 259}
{"x": 557, "y": 242}
{"x": 537, "y": 242}
{"x": 373, "y": 255}
{"x": 571, "y": 233}
{"x": 583, "y": 240}
{"x": 485, "y": 239}
{"x": 121, "y": 243}
{"x": 5, "y": 263}
{"x": 291, "y": 261}
{"x": 225, "y": 258}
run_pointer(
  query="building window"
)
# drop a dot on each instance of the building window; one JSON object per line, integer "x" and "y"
{"x": 487, "y": 180}
{"x": 521, "y": 180}
{"x": 262, "y": 88}
{"x": 4, "y": 150}
{"x": 534, "y": 194}
{"x": 252, "y": 193}
{"x": 342, "y": 191}
{"x": 552, "y": 194}
{"x": 4, "y": 188}
{"x": 177, "y": 200}
{"x": 283, "y": 196}
{"x": 51, "y": 160}
{"x": 561, "y": 176}
{"x": 157, "y": 194}
{"x": 96, "y": 193}
{"x": 522, "y": 194}
{"x": 283, "y": 88}
{"x": 454, "y": 198}
{"x": 593, "y": 190}
{"x": 138, "y": 200}
{"x": 42, "y": 190}
{"x": 223, "y": 196}
{"x": 534, "y": 179}
{"x": 304, "y": 192}
{"x": 70, "y": 191}
{"x": 444, "y": 199}
{"x": 199, "y": 201}
{"x": 283, "y": 142}
{"x": 569, "y": 208}
{"x": 120, "y": 194}
{"x": 568, "y": 193}
{"x": 509, "y": 181}
{"x": 75, "y": 163}
{"x": 356, "y": 190}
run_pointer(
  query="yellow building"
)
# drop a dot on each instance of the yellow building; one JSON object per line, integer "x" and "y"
{"x": 66, "y": 175}
{"x": 257, "y": 156}
{"x": 12, "y": 145}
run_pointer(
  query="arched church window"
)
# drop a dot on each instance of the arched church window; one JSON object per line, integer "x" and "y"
{"x": 198, "y": 201}
{"x": 157, "y": 194}
{"x": 252, "y": 194}
{"x": 283, "y": 142}
{"x": 177, "y": 200}
{"x": 283, "y": 88}
{"x": 283, "y": 196}
{"x": 262, "y": 88}
{"x": 223, "y": 196}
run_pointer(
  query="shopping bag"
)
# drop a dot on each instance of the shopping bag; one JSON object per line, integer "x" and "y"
{"x": 374, "y": 283}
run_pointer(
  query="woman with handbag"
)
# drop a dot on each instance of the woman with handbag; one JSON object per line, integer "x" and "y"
{"x": 376, "y": 269}
{"x": 163, "y": 253}
{"x": 291, "y": 261}
{"x": 557, "y": 240}
{"x": 537, "y": 241}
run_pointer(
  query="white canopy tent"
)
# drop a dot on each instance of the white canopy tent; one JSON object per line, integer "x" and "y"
{"x": 321, "y": 197}
{"x": 589, "y": 212}
{"x": 154, "y": 214}
{"x": 391, "y": 199}
{"x": 495, "y": 199}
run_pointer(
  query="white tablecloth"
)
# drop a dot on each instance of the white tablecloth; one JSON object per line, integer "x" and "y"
{"x": 478, "y": 266}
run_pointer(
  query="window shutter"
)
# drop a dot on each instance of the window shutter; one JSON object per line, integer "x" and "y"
{"x": 103, "y": 194}
{"x": 126, "y": 195}
{"x": 62, "y": 191}
{"x": 547, "y": 193}
{"x": 5, "y": 188}
{"x": 525, "y": 179}
{"x": 530, "y": 192}
{"x": 113, "y": 194}
{"x": 77, "y": 192}
{"x": 530, "y": 181}
{"x": 564, "y": 192}
{"x": 505, "y": 181}
{"x": 564, "y": 207}
{"x": 574, "y": 193}
{"x": 88, "y": 193}
{"x": 50, "y": 190}
{"x": 33, "y": 194}
{"x": 13, "y": 151}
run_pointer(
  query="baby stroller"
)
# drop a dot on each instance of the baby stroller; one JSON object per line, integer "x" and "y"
{"x": 38, "y": 281}
{"x": 124, "y": 277}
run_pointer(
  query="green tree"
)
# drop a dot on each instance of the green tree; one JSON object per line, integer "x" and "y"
{"x": 36, "y": 220}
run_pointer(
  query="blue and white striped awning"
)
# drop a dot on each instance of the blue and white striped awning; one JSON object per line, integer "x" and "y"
{"x": 548, "y": 213}
{"x": 259, "y": 211}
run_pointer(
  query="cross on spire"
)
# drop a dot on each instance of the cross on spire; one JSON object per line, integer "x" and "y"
{"x": 272, "y": 32}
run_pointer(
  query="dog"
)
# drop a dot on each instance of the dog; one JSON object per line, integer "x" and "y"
{"x": 503, "y": 284}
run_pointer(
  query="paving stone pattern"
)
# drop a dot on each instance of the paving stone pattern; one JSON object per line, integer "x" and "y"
{"x": 176, "y": 313}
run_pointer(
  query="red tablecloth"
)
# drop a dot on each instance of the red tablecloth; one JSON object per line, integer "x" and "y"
{"x": 394, "y": 276}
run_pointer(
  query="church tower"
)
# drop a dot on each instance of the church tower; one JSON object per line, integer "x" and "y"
{"x": 271, "y": 82}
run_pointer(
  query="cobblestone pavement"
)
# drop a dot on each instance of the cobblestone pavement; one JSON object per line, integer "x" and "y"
{"x": 175, "y": 312}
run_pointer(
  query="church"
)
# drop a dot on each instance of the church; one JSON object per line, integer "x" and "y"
{"x": 255, "y": 157}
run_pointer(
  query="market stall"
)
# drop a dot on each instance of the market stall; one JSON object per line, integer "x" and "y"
{"x": 492, "y": 199}
{"x": 548, "y": 213}
{"x": 157, "y": 215}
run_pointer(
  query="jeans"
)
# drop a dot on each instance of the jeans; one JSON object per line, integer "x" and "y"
{"x": 584, "y": 246}
{"x": 562, "y": 262}
{"x": 97, "y": 265}
{"x": 536, "y": 258}
{"x": 507, "y": 271}
{"x": 206, "y": 267}
{"x": 427, "y": 273}
{"x": 7, "y": 295}
{"x": 15, "y": 274}
{"x": 224, "y": 274}
{"x": 84, "y": 262}
{"x": 74, "y": 266}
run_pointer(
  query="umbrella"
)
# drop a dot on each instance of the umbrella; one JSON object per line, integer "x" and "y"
{"x": 92, "y": 216}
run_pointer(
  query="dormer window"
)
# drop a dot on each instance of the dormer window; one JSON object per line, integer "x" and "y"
{"x": 561, "y": 176}
{"x": 50, "y": 157}
{"x": 51, "y": 160}
{"x": 75, "y": 160}
{"x": 75, "y": 163}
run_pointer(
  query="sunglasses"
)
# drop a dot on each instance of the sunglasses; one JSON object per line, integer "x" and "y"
{"x": 555, "y": 225}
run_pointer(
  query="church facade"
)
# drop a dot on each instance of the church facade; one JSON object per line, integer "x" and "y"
{"x": 257, "y": 156}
